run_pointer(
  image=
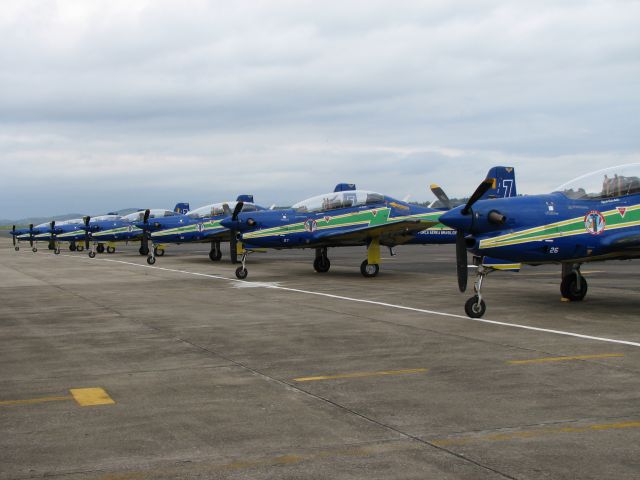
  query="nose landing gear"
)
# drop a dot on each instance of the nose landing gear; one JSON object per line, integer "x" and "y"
{"x": 321, "y": 264}
{"x": 574, "y": 285}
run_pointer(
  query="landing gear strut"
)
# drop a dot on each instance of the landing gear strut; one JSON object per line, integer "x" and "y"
{"x": 321, "y": 264}
{"x": 215, "y": 254}
{"x": 242, "y": 272}
{"x": 475, "y": 306}
{"x": 574, "y": 285}
{"x": 151, "y": 259}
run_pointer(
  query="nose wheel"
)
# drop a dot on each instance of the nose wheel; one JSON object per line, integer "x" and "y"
{"x": 215, "y": 254}
{"x": 573, "y": 286}
{"x": 242, "y": 272}
{"x": 151, "y": 259}
{"x": 475, "y": 306}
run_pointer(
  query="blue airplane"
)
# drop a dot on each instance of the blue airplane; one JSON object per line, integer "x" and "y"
{"x": 29, "y": 235}
{"x": 347, "y": 217}
{"x": 592, "y": 218}
{"x": 202, "y": 225}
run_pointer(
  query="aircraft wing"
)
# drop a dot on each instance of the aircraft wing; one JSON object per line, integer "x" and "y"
{"x": 390, "y": 233}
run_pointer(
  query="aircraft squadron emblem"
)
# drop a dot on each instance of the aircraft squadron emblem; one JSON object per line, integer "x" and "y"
{"x": 594, "y": 222}
{"x": 310, "y": 225}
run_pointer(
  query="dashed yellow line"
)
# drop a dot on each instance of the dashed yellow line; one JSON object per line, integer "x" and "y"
{"x": 564, "y": 359}
{"x": 361, "y": 375}
{"x": 85, "y": 397}
{"x": 31, "y": 401}
{"x": 503, "y": 437}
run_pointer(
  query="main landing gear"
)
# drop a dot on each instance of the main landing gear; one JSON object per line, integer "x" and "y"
{"x": 371, "y": 266}
{"x": 321, "y": 264}
{"x": 574, "y": 285}
{"x": 72, "y": 247}
{"x": 215, "y": 254}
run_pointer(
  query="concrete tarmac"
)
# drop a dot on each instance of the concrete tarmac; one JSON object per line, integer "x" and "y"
{"x": 111, "y": 369}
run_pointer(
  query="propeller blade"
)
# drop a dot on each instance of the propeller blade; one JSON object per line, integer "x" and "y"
{"x": 480, "y": 191}
{"x": 440, "y": 195}
{"x": 237, "y": 210}
{"x": 461, "y": 260}
{"x": 233, "y": 246}
{"x": 145, "y": 219}
{"x": 144, "y": 242}
{"x": 13, "y": 231}
{"x": 31, "y": 235}
{"x": 52, "y": 237}
{"x": 87, "y": 234}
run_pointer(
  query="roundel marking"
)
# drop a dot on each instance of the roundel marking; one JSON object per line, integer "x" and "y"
{"x": 594, "y": 222}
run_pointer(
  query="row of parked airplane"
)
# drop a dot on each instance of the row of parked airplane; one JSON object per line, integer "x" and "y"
{"x": 595, "y": 217}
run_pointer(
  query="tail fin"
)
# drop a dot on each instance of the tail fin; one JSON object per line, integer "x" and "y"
{"x": 504, "y": 183}
{"x": 181, "y": 208}
{"x": 344, "y": 187}
{"x": 245, "y": 198}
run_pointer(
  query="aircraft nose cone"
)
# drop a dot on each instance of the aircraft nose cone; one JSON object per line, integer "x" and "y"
{"x": 455, "y": 219}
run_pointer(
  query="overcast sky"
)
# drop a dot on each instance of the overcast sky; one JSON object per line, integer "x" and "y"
{"x": 113, "y": 104}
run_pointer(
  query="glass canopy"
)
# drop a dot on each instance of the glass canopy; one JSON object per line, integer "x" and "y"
{"x": 335, "y": 200}
{"x": 602, "y": 184}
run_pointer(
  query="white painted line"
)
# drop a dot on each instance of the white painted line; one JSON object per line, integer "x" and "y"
{"x": 373, "y": 302}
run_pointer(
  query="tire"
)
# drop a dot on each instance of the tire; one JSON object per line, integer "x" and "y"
{"x": 159, "y": 252}
{"x": 72, "y": 247}
{"x": 143, "y": 251}
{"x": 369, "y": 270}
{"x": 215, "y": 255}
{"x": 100, "y": 248}
{"x": 57, "y": 251}
{"x": 321, "y": 264}
{"x": 34, "y": 249}
{"x": 92, "y": 254}
{"x": 472, "y": 309}
{"x": 569, "y": 287}
{"x": 111, "y": 249}
{"x": 241, "y": 273}
{"x": 17, "y": 249}
{"x": 79, "y": 248}
{"x": 151, "y": 260}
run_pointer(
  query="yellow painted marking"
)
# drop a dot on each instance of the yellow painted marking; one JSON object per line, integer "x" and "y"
{"x": 34, "y": 400}
{"x": 88, "y": 397}
{"x": 502, "y": 437}
{"x": 360, "y": 375}
{"x": 563, "y": 359}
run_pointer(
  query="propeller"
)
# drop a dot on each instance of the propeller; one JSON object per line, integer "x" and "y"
{"x": 31, "y": 235}
{"x": 461, "y": 247}
{"x": 87, "y": 235}
{"x": 13, "y": 234}
{"x": 144, "y": 243}
{"x": 233, "y": 233}
{"x": 440, "y": 195}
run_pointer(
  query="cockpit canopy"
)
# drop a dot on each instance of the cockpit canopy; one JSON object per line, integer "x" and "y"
{"x": 607, "y": 183}
{"x": 335, "y": 200}
{"x": 155, "y": 213}
{"x": 218, "y": 209}
{"x": 107, "y": 218}
{"x": 73, "y": 221}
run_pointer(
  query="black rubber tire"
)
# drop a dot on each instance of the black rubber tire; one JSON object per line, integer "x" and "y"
{"x": 321, "y": 264}
{"x": 569, "y": 287}
{"x": 158, "y": 252}
{"x": 143, "y": 251}
{"x": 241, "y": 273}
{"x": 57, "y": 251}
{"x": 111, "y": 249}
{"x": 79, "y": 248}
{"x": 17, "y": 248}
{"x": 72, "y": 247}
{"x": 369, "y": 271}
{"x": 100, "y": 248}
{"x": 215, "y": 255}
{"x": 34, "y": 249}
{"x": 472, "y": 309}
{"x": 151, "y": 260}
{"x": 51, "y": 247}
{"x": 92, "y": 254}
